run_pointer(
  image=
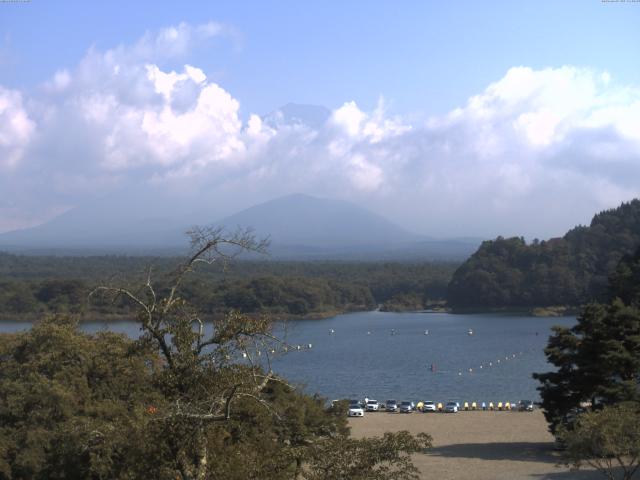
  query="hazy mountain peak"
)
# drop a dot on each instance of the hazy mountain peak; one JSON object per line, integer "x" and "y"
{"x": 300, "y": 219}
{"x": 299, "y": 225}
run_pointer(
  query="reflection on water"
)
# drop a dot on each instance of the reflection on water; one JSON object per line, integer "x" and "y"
{"x": 429, "y": 356}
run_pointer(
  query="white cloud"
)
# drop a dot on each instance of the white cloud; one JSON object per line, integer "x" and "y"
{"x": 350, "y": 118}
{"x": 364, "y": 174}
{"x": 360, "y": 125}
{"x": 533, "y": 152}
{"x": 155, "y": 132}
{"x": 16, "y": 128}
{"x": 170, "y": 42}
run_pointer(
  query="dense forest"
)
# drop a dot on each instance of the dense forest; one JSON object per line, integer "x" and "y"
{"x": 31, "y": 286}
{"x": 572, "y": 270}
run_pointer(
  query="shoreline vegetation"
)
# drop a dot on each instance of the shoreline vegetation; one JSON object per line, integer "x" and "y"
{"x": 527, "y": 311}
{"x": 535, "y": 312}
{"x": 31, "y": 287}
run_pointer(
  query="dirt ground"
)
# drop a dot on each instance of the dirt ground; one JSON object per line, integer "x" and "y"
{"x": 477, "y": 445}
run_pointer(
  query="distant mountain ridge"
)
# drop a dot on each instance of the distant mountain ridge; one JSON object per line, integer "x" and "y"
{"x": 300, "y": 227}
{"x": 114, "y": 222}
{"x": 300, "y": 219}
{"x": 571, "y": 270}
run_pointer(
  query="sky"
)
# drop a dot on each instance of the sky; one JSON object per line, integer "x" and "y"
{"x": 451, "y": 118}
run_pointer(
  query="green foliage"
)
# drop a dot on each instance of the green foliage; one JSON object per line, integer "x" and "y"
{"x": 343, "y": 458}
{"x": 189, "y": 399}
{"x": 74, "y": 405}
{"x": 597, "y": 360}
{"x": 608, "y": 440}
{"x": 31, "y": 286}
{"x": 403, "y": 302}
{"x": 71, "y": 404}
{"x": 281, "y": 295}
{"x": 625, "y": 282}
{"x": 571, "y": 270}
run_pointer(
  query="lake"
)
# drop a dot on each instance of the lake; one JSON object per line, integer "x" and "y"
{"x": 387, "y": 355}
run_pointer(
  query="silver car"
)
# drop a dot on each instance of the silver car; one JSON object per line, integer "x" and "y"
{"x": 391, "y": 406}
{"x": 407, "y": 407}
{"x": 451, "y": 407}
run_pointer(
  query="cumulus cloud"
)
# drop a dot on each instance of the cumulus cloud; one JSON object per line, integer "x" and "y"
{"x": 201, "y": 130}
{"x": 533, "y": 153}
{"x": 16, "y": 128}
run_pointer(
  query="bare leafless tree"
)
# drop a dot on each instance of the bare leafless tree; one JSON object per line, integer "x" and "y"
{"x": 207, "y": 364}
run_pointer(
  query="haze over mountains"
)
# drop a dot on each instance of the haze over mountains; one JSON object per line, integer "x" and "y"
{"x": 149, "y": 219}
{"x": 299, "y": 226}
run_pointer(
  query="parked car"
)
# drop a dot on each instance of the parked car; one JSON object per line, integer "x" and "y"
{"x": 372, "y": 406}
{"x": 525, "y": 406}
{"x": 407, "y": 407}
{"x": 391, "y": 406}
{"x": 355, "y": 409}
{"x": 428, "y": 406}
{"x": 451, "y": 407}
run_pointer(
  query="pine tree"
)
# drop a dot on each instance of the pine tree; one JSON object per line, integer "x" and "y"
{"x": 597, "y": 360}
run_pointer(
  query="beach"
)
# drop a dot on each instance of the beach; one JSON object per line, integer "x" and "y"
{"x": 477, "y": 445}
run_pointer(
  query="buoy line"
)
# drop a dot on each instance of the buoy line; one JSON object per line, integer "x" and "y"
{"x": 483, "y": 366}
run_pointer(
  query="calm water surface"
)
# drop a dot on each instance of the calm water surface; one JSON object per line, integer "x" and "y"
{"x": 363, "y": 357}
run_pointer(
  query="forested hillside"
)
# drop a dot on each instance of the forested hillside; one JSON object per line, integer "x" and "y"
{"x": 572, "y": 270}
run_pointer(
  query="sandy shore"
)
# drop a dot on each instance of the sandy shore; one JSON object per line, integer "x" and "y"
{"x": 477, "y": 445}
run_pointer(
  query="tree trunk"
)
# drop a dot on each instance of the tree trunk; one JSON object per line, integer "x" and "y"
{"x": 201, "y": 467}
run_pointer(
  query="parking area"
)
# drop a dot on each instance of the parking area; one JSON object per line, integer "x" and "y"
{"x": 489, "y": 445}
{"x": 357, "y": 408}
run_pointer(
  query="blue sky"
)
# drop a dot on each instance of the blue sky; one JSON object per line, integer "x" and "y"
{"x": 471, "y": 116}
{"x": 424, "y": 57}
